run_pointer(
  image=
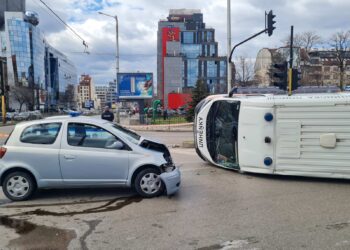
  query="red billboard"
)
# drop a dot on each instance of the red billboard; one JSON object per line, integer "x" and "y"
{"x": 176, "y": 100}
{"x": 168, "y": 34}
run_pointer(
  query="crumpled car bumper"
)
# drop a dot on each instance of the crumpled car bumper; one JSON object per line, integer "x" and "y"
{"x": 172, "y": 181}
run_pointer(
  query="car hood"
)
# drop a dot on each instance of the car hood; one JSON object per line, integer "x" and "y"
{"x": 156, "y": 146}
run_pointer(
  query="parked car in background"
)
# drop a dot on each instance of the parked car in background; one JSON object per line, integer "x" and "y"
{"x": 63, "y": 152}
{"x": 10, "y": 116}
{"x": 21, "y": 116}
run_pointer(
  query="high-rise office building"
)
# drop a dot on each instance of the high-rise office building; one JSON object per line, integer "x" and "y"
{"x": 187, "y": 52}
{"x": 61, "y": 79}
{"x": 10, "y": 5}
{"x": 28, "y": 61}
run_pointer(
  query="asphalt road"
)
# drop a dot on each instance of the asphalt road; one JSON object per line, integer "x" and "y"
{"x": 215, "y": 209}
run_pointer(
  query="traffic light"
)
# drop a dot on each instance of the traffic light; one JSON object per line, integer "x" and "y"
{"x": 280, "y": 73}
{"x": 270, "y": 22}
{"x": 295, "y": 79}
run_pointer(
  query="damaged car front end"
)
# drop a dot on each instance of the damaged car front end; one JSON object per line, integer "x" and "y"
{"x": 170, "y": 173}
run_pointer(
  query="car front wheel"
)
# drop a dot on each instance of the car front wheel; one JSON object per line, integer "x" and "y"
{"x": 148, "y": 183}
{"x": 18, "y": 186}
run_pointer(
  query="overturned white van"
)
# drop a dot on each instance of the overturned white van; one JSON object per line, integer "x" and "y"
{"x": 302, "y": 135}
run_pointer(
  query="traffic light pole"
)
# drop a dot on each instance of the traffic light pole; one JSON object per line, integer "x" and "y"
{"x": 290, "y": 71}
{"x": 3, "y": 109}
{"x": 269, "y": 27}
{"x": 246, "y": 40}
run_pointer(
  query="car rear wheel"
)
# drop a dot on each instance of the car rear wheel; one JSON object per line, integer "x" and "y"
{"x": 148, "y": 183}
{"x": 18, "y": 186}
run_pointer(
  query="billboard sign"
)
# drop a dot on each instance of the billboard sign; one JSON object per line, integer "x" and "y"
{"x": 135, "y": 85}
{"x": 89, "y": 104}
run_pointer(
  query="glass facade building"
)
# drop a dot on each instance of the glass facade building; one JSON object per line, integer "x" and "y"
{"x": 18, "y": 34}
{"x": 188, "y": 52}
{"x": 61, "y": 79}
{"x": 32, "y": 63}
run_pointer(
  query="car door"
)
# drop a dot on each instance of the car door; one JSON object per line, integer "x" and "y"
{"x": 38, "y": 148}
{"x": 87, "y": 156}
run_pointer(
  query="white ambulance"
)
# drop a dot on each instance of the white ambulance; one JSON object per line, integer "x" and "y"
{"x": 301, "y": 135}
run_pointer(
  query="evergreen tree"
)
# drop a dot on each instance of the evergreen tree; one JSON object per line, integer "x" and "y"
{"x": 199, "y": 93}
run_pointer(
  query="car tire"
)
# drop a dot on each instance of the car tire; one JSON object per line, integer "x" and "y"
{"x": 148, "y": 183}
{"x": 18, "y": 186}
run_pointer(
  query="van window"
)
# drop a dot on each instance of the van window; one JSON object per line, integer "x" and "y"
{"x": 41, "y": 133}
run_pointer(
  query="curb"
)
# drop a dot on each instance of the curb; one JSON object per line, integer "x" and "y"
{"x": 188, "y": 144}
{"x": 183, "y": 127}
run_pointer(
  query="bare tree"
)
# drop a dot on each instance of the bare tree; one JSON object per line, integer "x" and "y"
{"x": 306, "y": 40}
{"x": 297, "y": 41}
{"x": 340, "y": 42}
{"x": 309, "y": 40}
{"x": 23, "y": 95}
{"x": 244, "y": 70}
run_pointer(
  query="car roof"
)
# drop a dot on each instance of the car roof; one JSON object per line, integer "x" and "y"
{"x": 85, "y": 119}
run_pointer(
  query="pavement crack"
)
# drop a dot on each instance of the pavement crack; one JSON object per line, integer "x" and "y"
{"x": 92, "y": 226}
{"x": 338, "y": 226}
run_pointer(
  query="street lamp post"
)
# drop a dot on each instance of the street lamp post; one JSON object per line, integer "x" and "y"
{"x": 116, "y": 54}
{"x": 117, "y": 41}
{"x": 229, "y": 65}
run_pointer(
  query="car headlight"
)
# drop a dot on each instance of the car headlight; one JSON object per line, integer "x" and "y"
{"x": 166, "y": 168}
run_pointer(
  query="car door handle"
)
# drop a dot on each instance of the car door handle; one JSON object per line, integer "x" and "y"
{"x": 69, "y": 157}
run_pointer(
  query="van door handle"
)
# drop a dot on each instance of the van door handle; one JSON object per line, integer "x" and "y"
{"x": 69, "y": 157}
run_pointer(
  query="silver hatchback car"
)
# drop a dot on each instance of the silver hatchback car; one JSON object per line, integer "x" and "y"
{"x": 66, "y": 152}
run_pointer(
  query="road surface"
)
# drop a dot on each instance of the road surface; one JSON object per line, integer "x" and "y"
{"x": 215, "y": 209}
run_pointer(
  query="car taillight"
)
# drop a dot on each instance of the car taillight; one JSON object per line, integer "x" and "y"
{"x": 2, "y": 152}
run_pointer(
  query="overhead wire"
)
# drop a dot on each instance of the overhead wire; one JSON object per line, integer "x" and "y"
{"x": 65, "y": 24}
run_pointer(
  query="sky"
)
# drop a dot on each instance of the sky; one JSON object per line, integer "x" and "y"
{"x": 138, "y": 20}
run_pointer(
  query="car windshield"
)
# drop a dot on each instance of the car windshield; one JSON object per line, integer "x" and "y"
{"x": 129, "y": 134}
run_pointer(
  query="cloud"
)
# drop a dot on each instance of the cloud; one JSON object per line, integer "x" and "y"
{"x": 138, "y": 22}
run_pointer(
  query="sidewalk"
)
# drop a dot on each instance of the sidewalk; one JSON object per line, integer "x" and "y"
{"x": 181, "y": 127}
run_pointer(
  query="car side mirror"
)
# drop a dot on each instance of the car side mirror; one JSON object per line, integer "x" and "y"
{"x": 116, "y": 145}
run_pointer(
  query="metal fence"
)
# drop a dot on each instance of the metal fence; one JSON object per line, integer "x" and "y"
{"x": 149, "y": 119}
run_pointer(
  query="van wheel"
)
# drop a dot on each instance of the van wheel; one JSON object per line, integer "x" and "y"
{"x": 148, "y": 183}
{"x": 18, "y": 186}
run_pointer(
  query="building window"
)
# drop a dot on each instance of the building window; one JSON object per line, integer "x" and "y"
{"x": 211, "y": 69}
{"x": 209, "y": 36}
{"x": 188, "y": 37}
{"x": 212, "y": 50}
{"x": 191, "y": 50}
{"x": 192, "y": 72}
{"x": 223, "y": 69}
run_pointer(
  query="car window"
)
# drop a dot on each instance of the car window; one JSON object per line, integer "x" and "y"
{"x": 128, "y": 134}
{"x": 86, "y": 135}
{"x": 41, "y": 133}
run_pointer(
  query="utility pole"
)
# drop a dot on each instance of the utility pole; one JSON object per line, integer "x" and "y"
{"x": 116, "y": 41}
{"x": 229, "y": 65}
{"x": 116, "y": 55}
{"x": 290, "y": 71}
{"x": 3, "y": 88}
